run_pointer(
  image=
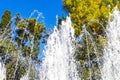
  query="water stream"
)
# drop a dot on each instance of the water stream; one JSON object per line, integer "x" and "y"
{"x": 59, "y": 62}
{"x": 2, "y": 71}
{"x": 111, "y": 58}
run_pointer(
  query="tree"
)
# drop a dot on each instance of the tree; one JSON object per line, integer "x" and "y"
{"x": 29, "y": 30}
{"x": 90, "y": 12}
{"x": 6, "y": 19}
{"x": 94, "y": 15}
{"x": 20, "y": 52}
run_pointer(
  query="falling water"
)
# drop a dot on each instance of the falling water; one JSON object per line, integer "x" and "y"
{"x": 59, "y": 63}
{"x": 2, "y": 71}
{"x": 111, "y": 65}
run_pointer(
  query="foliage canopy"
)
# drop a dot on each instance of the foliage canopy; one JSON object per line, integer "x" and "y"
{"x": 90, "y": 12}
{"x": 19, "y": 44}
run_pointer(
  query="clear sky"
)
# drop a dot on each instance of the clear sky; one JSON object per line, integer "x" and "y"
{"x": 49, "y": 9}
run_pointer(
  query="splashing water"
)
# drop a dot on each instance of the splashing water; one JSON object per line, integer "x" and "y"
{"x": 2, "y": 71}
{"x": 59, "y": 63}
{"x": 111, "y": 65}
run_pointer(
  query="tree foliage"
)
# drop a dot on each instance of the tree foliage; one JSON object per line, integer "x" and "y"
{"x": 94, "y": 14}
{"x": 90, "y": 12}
{"x": 29, "y": 30}
{"x": 19, "y": 44}
{"x": 6, "y": 19}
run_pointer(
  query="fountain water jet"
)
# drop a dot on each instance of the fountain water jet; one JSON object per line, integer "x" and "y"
{"x": 111, "y": 58}
{"x": 2, "y": 71}
{"x": 59, "y": 62}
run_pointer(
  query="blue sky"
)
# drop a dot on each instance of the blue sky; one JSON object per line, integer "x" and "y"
{"x": 49, "y": 9}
